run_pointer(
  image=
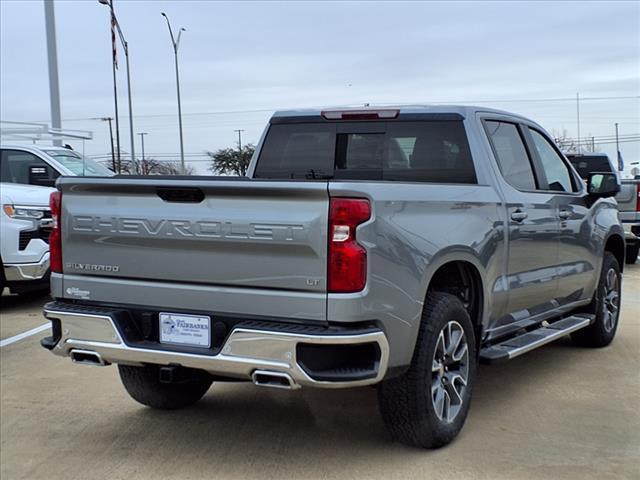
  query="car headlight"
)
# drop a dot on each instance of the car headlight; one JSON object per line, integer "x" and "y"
{"x": 26, "y": 213}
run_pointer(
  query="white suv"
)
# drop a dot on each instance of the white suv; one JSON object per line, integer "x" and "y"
{"x": 41, "y": 166}
{"x": 25, "y": 223}
{"x": 27, "y": 174}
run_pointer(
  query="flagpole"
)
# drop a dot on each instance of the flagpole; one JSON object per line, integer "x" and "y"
{"x": 115, "y": 94}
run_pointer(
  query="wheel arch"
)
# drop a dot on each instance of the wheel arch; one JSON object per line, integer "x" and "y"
{"x": 463, "y": 276}
{"x": 615, "y": 244}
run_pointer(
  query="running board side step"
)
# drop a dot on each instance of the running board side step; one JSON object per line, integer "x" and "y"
{"x": 547, "y": 333}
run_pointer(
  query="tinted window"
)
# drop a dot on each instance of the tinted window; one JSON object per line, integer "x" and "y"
{"x": 428, "y": 151}
{"x": 511, "y": 154}
{"x": 14, "y": 166}
{"x": 297, "y": 151}
{"x": 585, "y": 164}
{"x": 556, "y": 171}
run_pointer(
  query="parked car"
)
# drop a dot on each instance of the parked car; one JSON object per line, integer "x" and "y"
{"x": 27, "y": 174}
{"x": 25, "y": 224}
{"x": 394, "y": 247}
{"x": 42, "y": 165}
{"x": 628, "y": 198}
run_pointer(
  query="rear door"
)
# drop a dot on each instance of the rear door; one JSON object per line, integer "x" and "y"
{"x": 532, "y": 224}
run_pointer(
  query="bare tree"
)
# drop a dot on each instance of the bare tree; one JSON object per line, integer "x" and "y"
{"x": 151, "y": 166}
{"x": 565, "y": 143}
{"x": 231, "y": 161}
{"x": 570, "y": 145}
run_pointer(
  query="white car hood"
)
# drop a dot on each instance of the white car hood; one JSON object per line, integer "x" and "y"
{"x": 15, "y": 194}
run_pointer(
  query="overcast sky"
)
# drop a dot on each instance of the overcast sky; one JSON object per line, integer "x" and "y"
{"x": 241, "y": 61}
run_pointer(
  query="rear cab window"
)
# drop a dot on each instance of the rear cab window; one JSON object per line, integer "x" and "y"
{"x": 407, "y": 151}
{"x": 585, "y": 164}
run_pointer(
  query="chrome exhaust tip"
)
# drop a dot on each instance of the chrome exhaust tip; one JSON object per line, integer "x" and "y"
{"x": 87, "y": 357}
{"x": 265, "y": 378}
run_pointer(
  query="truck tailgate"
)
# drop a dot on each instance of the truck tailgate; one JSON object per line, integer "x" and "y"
{"x": 220, "y": 232}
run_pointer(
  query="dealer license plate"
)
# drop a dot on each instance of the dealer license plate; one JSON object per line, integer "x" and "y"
{"x": 180, "y": 329}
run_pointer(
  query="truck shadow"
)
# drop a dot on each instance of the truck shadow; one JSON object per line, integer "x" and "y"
{"x": 239, "y": 421}
{"x": 33, "y": 300}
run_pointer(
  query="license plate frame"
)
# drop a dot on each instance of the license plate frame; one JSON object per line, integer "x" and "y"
{"x": 185, "y": 330}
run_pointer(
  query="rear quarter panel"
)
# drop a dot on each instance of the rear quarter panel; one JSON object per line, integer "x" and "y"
{"x": 416, "y": 228}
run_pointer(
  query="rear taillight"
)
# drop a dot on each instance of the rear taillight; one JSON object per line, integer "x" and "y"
{"x": 55, "y": 240}
{"x": 347, "y": 264}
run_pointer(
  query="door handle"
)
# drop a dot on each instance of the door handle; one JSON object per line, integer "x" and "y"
{"x": 518, "y": 216}
{"x": 564, "y": 214}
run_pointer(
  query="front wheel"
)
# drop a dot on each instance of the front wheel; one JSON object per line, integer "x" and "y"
{"x": 427, "y": 405}
{"x": 605, "y": 305}
{"x": 143, "y": 385}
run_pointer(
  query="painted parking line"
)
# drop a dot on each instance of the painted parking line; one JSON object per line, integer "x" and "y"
{"x": 20, "y": 336}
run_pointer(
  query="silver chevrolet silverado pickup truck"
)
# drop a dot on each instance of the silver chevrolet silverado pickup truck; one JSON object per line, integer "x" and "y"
{"x": 394, "y": 247}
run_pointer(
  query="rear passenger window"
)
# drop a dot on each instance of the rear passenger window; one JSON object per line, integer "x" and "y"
{"x": 511, "y": 154}
{"x": 427, "y": 151}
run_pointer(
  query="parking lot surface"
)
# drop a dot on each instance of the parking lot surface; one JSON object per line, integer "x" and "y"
{"x": 558, "y": 412}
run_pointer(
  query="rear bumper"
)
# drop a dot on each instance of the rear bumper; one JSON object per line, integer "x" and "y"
{"x": 246, "y": 353}
{"x": 632, "y": 231}
{"x": 26, "y": 272}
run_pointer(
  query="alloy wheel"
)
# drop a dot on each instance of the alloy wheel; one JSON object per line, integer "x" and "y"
{"x": 611, "y": 300}
{"x": 449, "y": 371}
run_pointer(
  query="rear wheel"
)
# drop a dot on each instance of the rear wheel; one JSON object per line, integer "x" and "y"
{"x": 605, "y": 306}
{"x": 631, "y": 254}
{"x": 427, "y": 406}
{"x": 143, "y": 385}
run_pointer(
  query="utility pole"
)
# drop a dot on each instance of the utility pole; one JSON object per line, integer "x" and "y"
{"x": 142, "y": 134}
{"x": 52, "y": 55}
{"x": 239, "y": 131}
{"x": 593, "y": 144}
{"x": 113, "y": 155}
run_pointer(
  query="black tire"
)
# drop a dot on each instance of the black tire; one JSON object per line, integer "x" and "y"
{"x": 601, "y": 332}
{"x": 631, "y": 254}
{"x": 407, "y": 402}
{"x": 144, "y": 386}
{"x": 3, "y": 282}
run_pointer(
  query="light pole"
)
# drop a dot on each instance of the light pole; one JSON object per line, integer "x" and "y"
{"x": 113, "y": 157}
{"x": 142, "y": 134}
{"x": 52, "y": 54}
{"x": 125, "y": 47}
{"x": 176, "y": 42}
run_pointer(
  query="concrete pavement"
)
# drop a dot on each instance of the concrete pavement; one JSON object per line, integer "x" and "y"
{"x": 559, "y": 412}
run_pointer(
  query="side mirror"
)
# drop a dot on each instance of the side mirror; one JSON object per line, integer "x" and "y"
{"x": 603, "y": 185}
{"x": 40, "y": 176}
